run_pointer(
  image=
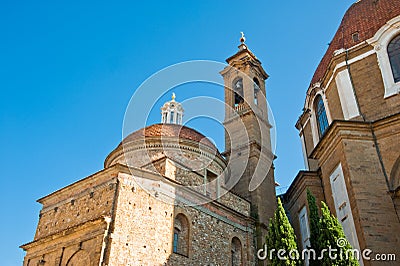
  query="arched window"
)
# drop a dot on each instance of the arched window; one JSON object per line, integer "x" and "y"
{"x": 181, "y": 235}
{"x": 236, "y": 252}
{"x": 320, "y": 114}
{"x": 164, "y": 118}
{"x": 393, "y": 50}
{"x": 238, "y": 90}
{"x": 256, "y": 90}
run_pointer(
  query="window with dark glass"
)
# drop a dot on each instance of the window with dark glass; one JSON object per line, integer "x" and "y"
{"x": 394, "y": 57}
{"x": 236, "y": 252}
{"x": 181, "y": 235}
{"x": 320, "y": 112}
{"x": 176, "y": 237}
{"x": 238, "y": 90}
{"x": 256, "y": 90}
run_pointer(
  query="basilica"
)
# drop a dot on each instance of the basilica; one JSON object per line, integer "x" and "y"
{"x": 168, "y": 196}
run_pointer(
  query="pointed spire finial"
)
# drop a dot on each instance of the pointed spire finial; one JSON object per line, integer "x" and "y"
{"x": 242, "y": 38}
{"x": 173, "y": 96}
{"x": 242, "y": 45}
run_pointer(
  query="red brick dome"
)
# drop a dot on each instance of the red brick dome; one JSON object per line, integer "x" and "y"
{"x": 170, "y": 130}
{"x": 364, "y": 18}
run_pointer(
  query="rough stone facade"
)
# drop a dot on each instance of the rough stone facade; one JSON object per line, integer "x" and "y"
{"x": 74, "y": 222}
{"x": 108, "y": 219}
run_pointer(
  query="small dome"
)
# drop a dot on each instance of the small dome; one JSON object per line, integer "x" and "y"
{"x": 169, "y": 130}
{"x": 364, "y": 18}
{"x": 154, "y": 143}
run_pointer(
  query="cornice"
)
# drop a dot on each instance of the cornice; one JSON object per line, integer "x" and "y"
{"x": 237, "y": 61}
{"x": 355, "y": 130}
{"x": 108, "y": 173}
{"x": 338, "y": 131}
{"x": 83, "y": 226}
{"x": 153, "y": 143}
{"x": 299, "y": 184}
{"x": 303, "y": 118}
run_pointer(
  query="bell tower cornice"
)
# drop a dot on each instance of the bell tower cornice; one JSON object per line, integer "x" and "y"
{"x": 244, "y": 60}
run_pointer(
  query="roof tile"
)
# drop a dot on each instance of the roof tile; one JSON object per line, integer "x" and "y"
{"x": 365, "y": 17}
{"x": 170, "y": 130}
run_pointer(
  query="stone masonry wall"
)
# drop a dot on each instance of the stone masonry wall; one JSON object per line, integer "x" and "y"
{"x": 81, "y": 245}
{"x": 143, "y": 231}
{"x": 372, "y": 208}
{"x": 211, "y": 240}
{"x": 369, "y": 88}
{"x": 381, "y": 227}
{"x": 88, "y": 204}
{"x": 296, "y": 198}
{"x": 332, "y": 96}
{"x": 73, "y": 222}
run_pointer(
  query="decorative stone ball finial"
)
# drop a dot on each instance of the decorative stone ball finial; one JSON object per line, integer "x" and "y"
{"x": 242, "y": 39}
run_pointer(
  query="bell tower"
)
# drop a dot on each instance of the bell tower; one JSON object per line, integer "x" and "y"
{"x": 247, "y": 135}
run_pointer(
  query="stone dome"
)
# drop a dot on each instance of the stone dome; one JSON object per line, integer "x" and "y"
{"x": 179, "y": 143}
{"x": 169, "y": 130}
{"x": 364, "y": 18}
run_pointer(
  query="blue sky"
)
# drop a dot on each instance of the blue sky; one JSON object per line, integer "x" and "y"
{"x": 68, "y": 70}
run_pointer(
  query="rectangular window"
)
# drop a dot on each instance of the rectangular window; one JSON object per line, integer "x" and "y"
{"x": 175, "y": 248}
{"x": 304, "y": 228}
{"x": 342, "y": 206}
{"x": 355, "y": 36}
{"x": 320, "y": 112}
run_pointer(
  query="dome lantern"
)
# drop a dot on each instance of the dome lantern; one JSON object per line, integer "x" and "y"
{"x": 172, "y": 112}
